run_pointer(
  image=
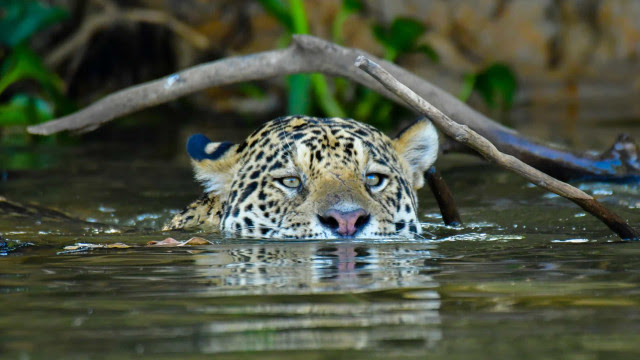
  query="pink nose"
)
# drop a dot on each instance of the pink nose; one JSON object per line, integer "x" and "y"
{"x": 345, "y": 223}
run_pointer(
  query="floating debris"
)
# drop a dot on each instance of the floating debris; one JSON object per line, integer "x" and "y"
{"x": 171, "y": 242}
{"x": 81, "y": 247}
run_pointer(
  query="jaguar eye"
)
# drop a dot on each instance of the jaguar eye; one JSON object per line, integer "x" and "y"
{"x": 290, "y": 181}
{"x": 375, "y": 181}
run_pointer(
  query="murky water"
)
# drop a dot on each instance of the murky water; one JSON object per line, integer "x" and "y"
{"x": 528, "y": 276}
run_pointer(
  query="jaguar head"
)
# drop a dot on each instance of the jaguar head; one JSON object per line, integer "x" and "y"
{"x": 309, "y": 178}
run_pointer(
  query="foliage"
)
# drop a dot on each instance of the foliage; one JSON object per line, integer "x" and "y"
{"x": 21, "y": 69}
{"x": 496, "y": 84}
{"x": 21, "y": 19}
{"x": 293, "y": 17}
{"x": 402, "y": 37}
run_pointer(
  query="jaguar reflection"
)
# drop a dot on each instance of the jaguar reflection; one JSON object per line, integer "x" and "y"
{"x": 318, "y": 296}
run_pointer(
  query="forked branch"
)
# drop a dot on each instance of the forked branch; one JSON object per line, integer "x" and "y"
{"x": 308, "y": 54}
{"x": 472, "y": 139}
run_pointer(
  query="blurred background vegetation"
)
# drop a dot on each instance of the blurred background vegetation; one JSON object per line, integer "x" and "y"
{"x": 544, "y": 67}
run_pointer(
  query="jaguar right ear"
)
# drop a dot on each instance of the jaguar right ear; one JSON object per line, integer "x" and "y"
{"x": 214, "y": 163}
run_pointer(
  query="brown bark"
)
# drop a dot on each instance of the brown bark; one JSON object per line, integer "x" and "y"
{"x": 441, "y": 192}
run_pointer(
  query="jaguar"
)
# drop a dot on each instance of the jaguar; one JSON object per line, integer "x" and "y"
{"x": 301, "y": 177}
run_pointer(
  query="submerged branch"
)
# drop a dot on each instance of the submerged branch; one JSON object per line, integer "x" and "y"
{"x": 308, "y": 54}
{"x": 472, "y": 139}
{"x": 440, "y": 190}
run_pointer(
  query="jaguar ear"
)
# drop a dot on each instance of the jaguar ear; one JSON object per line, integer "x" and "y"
{"x": 213, "y": 162}
{"x": 418, "y": 146}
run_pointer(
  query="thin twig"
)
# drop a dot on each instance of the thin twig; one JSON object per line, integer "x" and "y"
{"x": 472, "y": 139}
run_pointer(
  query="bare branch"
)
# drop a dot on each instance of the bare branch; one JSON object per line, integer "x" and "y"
{"x": 308, "y": 54}
{"x": 440, "y": 190}
{"x": 472, "y": 139}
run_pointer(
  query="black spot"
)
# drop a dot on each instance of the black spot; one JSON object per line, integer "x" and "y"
{"x": 412, "y": 228}
{"x": 262, "y": 196}
{"x": 240, "y": 148}
{"x": 260, "y": 155}
{"x": 264, "y": 231}
{"x": 254, "y": 175}
{"x": 400, "y": 225}
{"x": 276, "y": 165}
{"x": 248, "y": 191}
{"x": 248, "y": 222}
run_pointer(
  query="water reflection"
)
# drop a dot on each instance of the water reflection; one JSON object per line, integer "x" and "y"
{"x": 363, "y": 296}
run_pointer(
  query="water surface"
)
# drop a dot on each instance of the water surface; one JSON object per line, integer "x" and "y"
{"x": 529, "y": 275}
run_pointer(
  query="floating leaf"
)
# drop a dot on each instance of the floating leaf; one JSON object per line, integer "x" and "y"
{"x": 20, "y": 19}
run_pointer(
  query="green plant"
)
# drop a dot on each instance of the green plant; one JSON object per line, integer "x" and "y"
{"x": 496, "y": 84}
{"x": 293, "y": 17}
{"x": 21, "y": 68}
{"x": 399, "y": 38}
{"x": 20, "y": 20}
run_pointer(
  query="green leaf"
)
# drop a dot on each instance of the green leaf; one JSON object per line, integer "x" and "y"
{"x": 400, "y": 37}
{"x": 23, "y": 64}
{"x": 352, "y": 5}
{"x": 325, "y": 98}
{"x": 25, "y": 110}
{"x": 380, "y": 33}
{"x": 298, "y": 17}
{"x": 279, "y": 11}
{"x": 468, "y": 84}
{"x": 497, "y": 84}
{"x": 429, "y": 51}
{"x": 299, "y": 101}
{"x": 20, "y": 19}
{"x": 404, "y": 33}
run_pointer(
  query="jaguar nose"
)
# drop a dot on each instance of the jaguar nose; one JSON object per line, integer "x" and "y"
{"x": 345, "y": 223}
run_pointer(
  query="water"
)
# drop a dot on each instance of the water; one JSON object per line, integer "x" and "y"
{"x": 529, "y": 275}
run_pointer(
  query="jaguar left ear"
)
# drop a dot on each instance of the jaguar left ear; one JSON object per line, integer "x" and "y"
{"x": 213, "y": 162}
{"x": 417, "y": 145}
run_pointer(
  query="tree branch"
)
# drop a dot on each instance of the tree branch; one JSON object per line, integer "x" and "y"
{"x": 308, "y": 54}
{"x": 441, "y": 192}
{"x": 472, "y": 139}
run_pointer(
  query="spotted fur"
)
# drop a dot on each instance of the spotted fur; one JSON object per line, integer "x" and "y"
{"x": 331, "y": 157}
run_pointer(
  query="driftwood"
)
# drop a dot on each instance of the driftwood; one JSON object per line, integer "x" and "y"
{"x": 472, "y": 139}
{"x": 308, "y": 54}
